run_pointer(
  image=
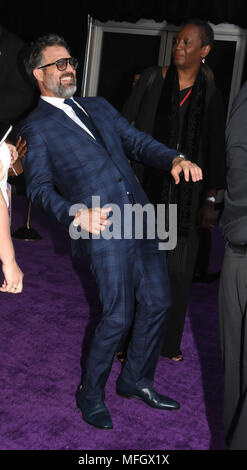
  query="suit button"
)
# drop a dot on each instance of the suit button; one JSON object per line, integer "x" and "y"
{"x": 120, "y": 179}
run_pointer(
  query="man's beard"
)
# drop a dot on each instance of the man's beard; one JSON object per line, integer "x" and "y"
{"x": 64, "y": 91}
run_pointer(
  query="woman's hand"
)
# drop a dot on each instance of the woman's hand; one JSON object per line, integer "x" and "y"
{"x": 16, "y": 167}
{"x": 13, "y": 278}
{"x": 21, "y": 147}
{"x": 13, "y": 153}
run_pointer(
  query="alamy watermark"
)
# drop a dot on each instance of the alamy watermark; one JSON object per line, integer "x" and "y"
{"x": 132, "y": 221}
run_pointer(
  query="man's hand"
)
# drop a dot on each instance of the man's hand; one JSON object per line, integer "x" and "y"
{"x": 93, "y": 220}
{"x": 189, "y": 169}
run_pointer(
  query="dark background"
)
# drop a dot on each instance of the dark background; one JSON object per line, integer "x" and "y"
{"x": 30, "y": 19}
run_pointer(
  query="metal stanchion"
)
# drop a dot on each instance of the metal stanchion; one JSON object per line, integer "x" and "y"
{"x": 26, "y": 232}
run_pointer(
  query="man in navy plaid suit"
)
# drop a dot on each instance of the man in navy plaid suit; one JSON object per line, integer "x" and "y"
{"x": 79, "y": 148}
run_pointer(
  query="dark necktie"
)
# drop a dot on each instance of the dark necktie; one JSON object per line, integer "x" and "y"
{"x": 85, "y": 119}
{"x": 89, "y": 124}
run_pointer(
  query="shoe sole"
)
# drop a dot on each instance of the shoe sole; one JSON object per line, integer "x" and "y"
{"x": 98, "y": 427}
{"x": 169, "y": 408}
{"x": 91, "y": 424}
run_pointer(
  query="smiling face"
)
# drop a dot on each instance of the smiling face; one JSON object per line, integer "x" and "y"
{"x": 53, "y": 82}
{"x": 188, "y": 50}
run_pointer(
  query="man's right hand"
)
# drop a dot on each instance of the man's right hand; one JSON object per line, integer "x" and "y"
{"x": 93, "y": 220}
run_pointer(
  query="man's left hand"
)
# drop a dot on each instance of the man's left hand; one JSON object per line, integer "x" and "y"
{"x": 189, "y": 169}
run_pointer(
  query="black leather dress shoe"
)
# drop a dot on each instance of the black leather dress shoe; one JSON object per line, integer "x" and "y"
{"x": 148, "y": 395}
{"x": 93, "y": 412}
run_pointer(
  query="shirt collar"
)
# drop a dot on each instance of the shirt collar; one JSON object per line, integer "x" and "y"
{"x": 58, "y": 102}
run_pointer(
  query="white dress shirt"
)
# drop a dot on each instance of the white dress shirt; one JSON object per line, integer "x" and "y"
{"x": 59, "y": 103}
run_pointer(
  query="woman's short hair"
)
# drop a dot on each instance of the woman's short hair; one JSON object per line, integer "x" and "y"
{"x": 207, "y": 33}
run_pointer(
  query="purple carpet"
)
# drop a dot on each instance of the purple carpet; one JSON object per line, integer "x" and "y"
{"x": 41, "y": 342}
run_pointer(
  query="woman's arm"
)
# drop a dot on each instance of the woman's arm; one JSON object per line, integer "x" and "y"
{"x": 13, "y": 276}
{"x": 1, "y": 171}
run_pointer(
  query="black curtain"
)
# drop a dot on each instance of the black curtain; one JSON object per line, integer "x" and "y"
{"x": 31, "y": 19}
{"x": 28, "y": 20}
{"x": 173, "y": 11}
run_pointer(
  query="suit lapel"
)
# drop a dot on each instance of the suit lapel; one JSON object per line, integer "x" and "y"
{"x": 106, "y": 136}
{"x": 98, "y": 125}
{"x": 61, "y": 117}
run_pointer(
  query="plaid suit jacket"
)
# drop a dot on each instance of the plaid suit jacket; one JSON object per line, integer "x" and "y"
{"x": 64, "y": 165}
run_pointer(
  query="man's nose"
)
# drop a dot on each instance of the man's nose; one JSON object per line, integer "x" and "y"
{"x": 69, "y": 68}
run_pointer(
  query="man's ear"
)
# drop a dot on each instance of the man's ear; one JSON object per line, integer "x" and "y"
{"x": 38, "y": 74}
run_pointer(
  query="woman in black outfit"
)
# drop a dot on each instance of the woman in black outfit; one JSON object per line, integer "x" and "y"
{"x": 181, "y": 106}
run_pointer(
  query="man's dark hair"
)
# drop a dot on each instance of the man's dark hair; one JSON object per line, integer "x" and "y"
{"x": 207, "y": 33}
{"x": 35, "y": 57}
